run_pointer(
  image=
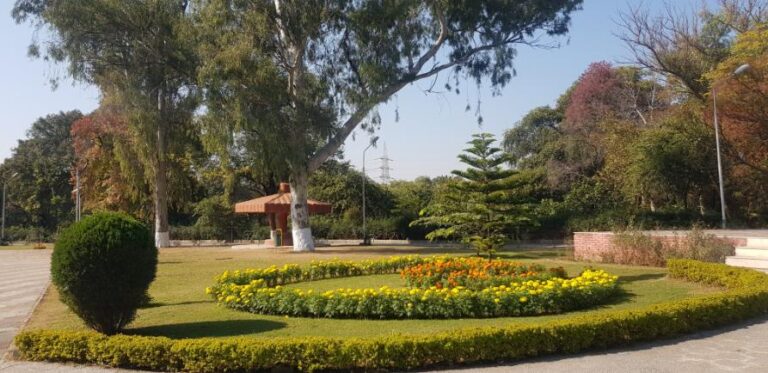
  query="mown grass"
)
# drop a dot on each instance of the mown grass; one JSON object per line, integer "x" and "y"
{"x": 181, "y": 309}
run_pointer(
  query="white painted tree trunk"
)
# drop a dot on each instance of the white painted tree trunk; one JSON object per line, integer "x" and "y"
{"x": 300, "y": 229}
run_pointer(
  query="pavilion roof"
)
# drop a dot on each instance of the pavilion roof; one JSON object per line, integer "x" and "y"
{"x": 279, "y": 203}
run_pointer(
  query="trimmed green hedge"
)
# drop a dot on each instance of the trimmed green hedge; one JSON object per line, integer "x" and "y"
{"x": 746, "y": 296}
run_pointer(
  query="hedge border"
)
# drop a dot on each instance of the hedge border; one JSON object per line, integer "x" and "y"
{"x": 746, "y": 296}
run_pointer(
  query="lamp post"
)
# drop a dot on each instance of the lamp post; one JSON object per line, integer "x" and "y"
{"x": 741, "y": 69}
{"x": 366, "y": 241}
{"x": 5, "y": 187}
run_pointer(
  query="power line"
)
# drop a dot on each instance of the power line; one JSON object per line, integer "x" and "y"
{"x": 385, "y": 176}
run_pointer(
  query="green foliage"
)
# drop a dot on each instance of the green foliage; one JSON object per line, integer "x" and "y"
{"x": 142, "y": 57}
{"x": 348, "y": 58}
{"x": 532, "y": 142}
{"x": 102, "y": 267}
{"x": 481, "y": 208}
{"x": 673, "y": 161}
{"x": 333, "y": 228}
{"x": 341, "y": 185}
{"x": 746, "y": 297}
{"x": 410, "y": 197}
{"x": 40, "y": 193}
{"x": 27, "y": 234}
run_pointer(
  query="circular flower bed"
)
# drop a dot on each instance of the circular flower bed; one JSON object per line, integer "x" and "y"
{"x": 490, "y": 289}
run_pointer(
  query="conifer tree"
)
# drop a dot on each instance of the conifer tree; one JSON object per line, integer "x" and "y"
{"x": 481, "y": 208}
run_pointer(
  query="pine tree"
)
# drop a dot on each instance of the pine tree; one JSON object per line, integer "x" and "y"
{"x": 481, "y": 208}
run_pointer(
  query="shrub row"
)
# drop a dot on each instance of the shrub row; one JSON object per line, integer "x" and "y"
{"x": 524, "y": 298}
{"x": 319, "y": 270}
{"x": 638, "y": 248}
{"x": 746, "y": 296}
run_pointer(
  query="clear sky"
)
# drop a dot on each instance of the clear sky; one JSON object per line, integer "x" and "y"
{"x": 432, "y": 129}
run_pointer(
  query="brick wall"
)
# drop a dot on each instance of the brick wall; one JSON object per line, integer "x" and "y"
{"x": 592, "y": 246}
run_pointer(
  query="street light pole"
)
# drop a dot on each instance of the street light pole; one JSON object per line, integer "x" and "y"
{"x": 719, "y": 159}
{"x": 77, "y": 194}
{"x": 2, "y": 234}
{"x": 366, "y": 241}
{"x": 741, "y": 69}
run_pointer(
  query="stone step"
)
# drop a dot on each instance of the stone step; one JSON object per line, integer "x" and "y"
{"x": 757, "y": 242}
{"x": 748, "y": 261}
{"x": 748, "y": 251}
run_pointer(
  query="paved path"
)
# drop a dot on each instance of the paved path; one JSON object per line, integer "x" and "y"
{"x": 24, "y": 277}
{"x": 739, "y": 348}
{"x": 742, "y": 348}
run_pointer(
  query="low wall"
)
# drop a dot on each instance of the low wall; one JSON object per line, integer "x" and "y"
{"x": 212, "y": 243}
{"x": 593, "y": 246}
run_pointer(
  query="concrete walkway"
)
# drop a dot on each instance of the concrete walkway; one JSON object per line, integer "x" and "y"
{"x": 24, "y": 275}
{"x": 738, "y": 348}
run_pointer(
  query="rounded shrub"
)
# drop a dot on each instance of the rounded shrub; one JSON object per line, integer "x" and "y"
{"x": 102, "y": 267}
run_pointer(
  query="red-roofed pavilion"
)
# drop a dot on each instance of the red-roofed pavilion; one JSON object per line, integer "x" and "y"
{"x": 277, "y": 207}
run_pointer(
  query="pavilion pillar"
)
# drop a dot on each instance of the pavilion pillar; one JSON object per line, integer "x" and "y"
{"x": 282, "y": 225}
{"x": 272, "y": 228}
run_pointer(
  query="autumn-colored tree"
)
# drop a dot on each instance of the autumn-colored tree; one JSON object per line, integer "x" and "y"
{"x": 742, "y": 102}
{"x": 743, "y": 99}
{"x": 111, "y": 175}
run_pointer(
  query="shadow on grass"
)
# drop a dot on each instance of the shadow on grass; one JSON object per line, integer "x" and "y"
{"x": 201, "y": 329}
{"x": 526, "y": 255}
{"x": 643, "y": 277}
{"x": 154, "y": 304}
{"x": 390, "y": 250}
{"x": 621, "y": 296}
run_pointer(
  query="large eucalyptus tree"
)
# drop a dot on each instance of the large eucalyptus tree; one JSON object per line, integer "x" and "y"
{"x": 139, "y": 54}
{"x": 301, "y": 75}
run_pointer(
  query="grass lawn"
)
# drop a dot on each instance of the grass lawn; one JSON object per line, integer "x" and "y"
{"x": 181, "y": 309}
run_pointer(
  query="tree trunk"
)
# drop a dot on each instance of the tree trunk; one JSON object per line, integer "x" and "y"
{"x": 162, "y": 236}
{"x": 302, "y": 233}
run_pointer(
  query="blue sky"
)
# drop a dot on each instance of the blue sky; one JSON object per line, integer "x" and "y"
{"x": 433, "y": 128}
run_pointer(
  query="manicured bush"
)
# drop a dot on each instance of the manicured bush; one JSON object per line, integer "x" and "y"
{"x": 102, "y": 267}
{"x": 746, "y": 296}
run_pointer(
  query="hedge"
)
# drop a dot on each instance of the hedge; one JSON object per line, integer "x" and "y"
{"x": 746, "y": 296}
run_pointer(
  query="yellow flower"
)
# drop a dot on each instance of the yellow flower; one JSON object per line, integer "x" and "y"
{"x": 523, "y": 299}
